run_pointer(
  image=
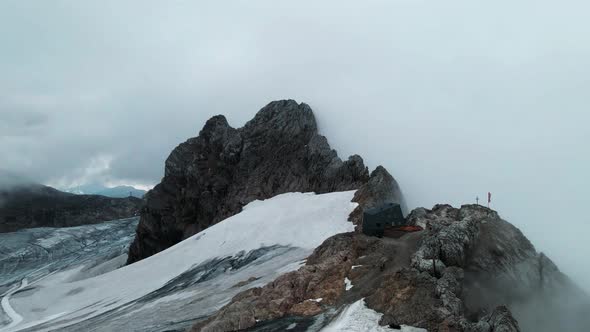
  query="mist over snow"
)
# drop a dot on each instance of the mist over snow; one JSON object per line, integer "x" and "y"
{"x": 454, "y": 98}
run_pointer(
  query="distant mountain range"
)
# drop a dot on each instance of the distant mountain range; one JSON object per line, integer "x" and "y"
{"x": 35, "y": 205}
{"x": 97, "y": 189}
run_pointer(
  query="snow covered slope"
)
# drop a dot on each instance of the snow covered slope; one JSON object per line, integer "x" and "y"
{"x": 35, "y": 252}
{"x": 190, "y": 280}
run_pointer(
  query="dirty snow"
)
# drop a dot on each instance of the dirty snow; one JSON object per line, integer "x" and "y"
{"x": 348, "y": 283}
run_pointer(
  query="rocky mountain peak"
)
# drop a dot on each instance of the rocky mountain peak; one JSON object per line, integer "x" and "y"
{"x": 381, "y": 189}
{"x": 215, "y": 128}
{"x": 285, "y": 117}
{"x": 212, "y": 176}
{"x": 34, "y": 205}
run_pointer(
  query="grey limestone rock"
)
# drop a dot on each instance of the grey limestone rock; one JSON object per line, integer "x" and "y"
{"x": 211, "y": 177}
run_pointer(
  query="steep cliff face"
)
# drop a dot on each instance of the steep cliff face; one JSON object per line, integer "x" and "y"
{"x": 381, "y": 188}
{"x": 211, "y": 177}
{"x": 35, "y": 205}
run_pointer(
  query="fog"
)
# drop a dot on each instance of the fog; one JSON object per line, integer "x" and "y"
{"x": 454, "y": 98}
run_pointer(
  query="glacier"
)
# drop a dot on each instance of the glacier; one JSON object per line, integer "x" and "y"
{"x": 73, "y": 279}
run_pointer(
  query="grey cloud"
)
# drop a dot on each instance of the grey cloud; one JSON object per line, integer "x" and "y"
{"x": 19, "y": 120}
{"x": 455, "y": 98}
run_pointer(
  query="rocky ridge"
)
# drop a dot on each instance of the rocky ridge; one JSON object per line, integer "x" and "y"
{"x": 433, "y": 279}
{"x": 468, "y": 270}
{"x": 211, "y": 177}
{"x": 461, "y": 273}
{"x": 34, "y": 205}
{"x": 396, "y": 277}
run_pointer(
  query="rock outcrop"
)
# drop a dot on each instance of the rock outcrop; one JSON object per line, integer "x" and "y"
{"x": 501, "y": 265}
{"x": 501, "y": 268}
{"x": 323, "y": 276}
{"x": 35, "y": 205}
{"x": 292, "y": 293}
{"x": 211, "y": 177}
{"x": 468, "y": 270}
{"x": 380, "y": 189}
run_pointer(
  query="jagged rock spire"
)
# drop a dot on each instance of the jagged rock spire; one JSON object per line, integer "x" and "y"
{"x": 211, "y": 177}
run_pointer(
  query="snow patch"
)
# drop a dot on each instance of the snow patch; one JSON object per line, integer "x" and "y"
{"x": 348, "y": 283}
{"x": 358, "y": 318}
{"x": 291, "y": 267}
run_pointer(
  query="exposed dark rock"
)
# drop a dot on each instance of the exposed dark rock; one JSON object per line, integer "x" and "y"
{"x": 407, "y": 296}
{"x": 291, "y": 293}
{"x": 35, "y": 205}
{"x": 323, "y": 276}
{"x": 212, "y": 176}
{"x": 499, "y": 320}
{"x": 484, "y": 266}
{"x": 380, "y": 189}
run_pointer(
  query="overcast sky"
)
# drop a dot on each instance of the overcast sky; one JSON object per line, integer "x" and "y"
{"x": 455, "y": 98}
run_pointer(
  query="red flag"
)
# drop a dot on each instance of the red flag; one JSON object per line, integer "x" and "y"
{"x": 489, "y": 197}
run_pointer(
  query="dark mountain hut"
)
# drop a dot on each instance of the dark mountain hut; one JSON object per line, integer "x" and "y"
{"x": 377, "y": 220}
